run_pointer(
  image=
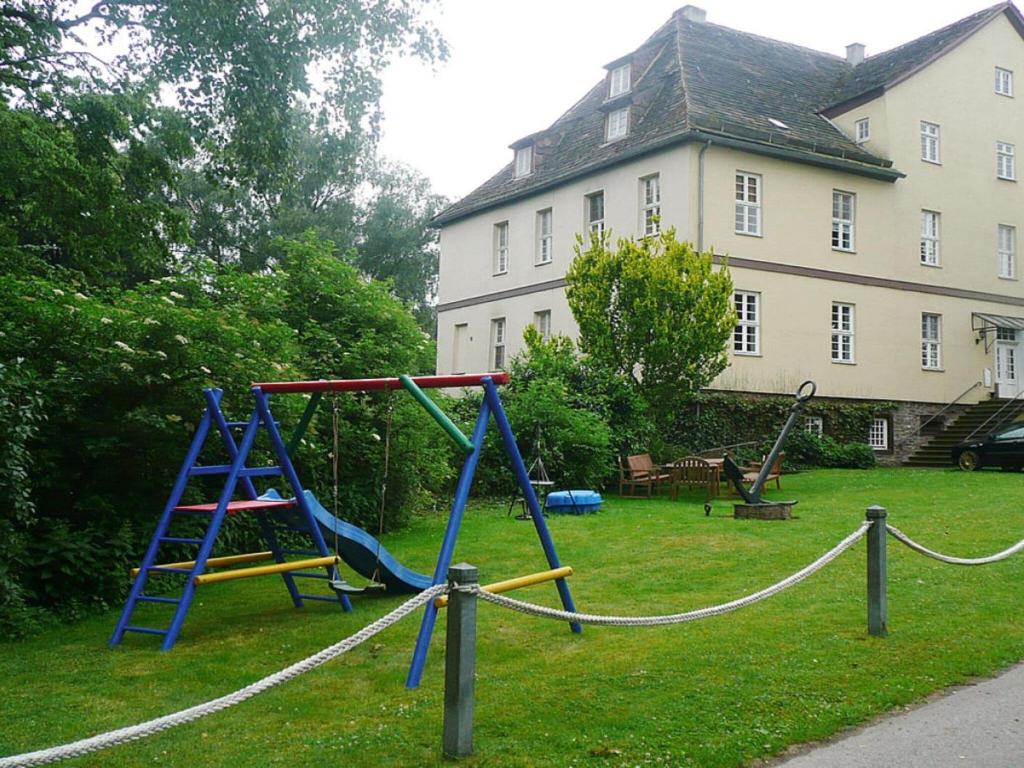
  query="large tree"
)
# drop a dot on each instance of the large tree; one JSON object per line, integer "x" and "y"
{"x": 236, "y": 68}
{"x": 395, "y": 239}
{"x": 654, "y": 309}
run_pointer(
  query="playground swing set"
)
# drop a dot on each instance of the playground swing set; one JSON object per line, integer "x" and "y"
{"x": 302, "y": 514}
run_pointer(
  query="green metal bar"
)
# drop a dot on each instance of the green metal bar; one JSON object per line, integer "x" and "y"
{"x": 439, "y": 416}
{"x": 303, "y": 425}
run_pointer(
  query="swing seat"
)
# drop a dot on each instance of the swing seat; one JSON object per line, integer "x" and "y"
{"x": 340, "y": 585}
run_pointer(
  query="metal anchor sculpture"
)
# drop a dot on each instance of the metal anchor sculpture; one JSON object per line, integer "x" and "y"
{"x": 752, "y": 496}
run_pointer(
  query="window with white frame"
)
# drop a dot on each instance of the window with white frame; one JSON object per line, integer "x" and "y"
{"x": 498, "y": 344}
{"x": 842, "y": 333}
{"x": 931, "y": 341}
{"x": 878, "y": 434}
{"x": 619, "y": 81}
{"x": 1004, "y": 82}
{"x": 815, "y": 425}
{"x": 617, "y": 124}
{"x": 748, "y": 203}
{"x": 746, "y": 336}
{"x": 1006, "y": 163}
{"x": 501, "y": 248}
{"x": 524, "y": 161}
{"x": 542, "y": 322}
{"x": 930, "y": 238}
{"x": 930, "y": 142}
{"x": 544, "y": 237}
{"x": 1007, "y": 251}
{"x": 650, "y": 208}
{"x": 843, "y": 212}
{"x": 594, "y": 207}
{"x": 862, "y": 130}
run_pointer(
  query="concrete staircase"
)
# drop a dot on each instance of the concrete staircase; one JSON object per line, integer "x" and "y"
{"x": 935, "y": 452}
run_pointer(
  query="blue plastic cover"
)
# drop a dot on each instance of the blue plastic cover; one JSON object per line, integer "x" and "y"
{"x": 579, "y": 498}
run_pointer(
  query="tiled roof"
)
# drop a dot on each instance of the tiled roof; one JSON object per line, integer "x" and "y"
{"x": 897, "y": 64}
{"x": 695, "y": 81}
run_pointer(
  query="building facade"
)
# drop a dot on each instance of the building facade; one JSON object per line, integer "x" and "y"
{"x": 869, "y": 210}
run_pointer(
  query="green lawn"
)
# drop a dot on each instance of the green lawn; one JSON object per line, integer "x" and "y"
{"x": 719, "y": 692}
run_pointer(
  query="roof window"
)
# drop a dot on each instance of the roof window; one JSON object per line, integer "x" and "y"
{"x": 619, "y": 82}
{"x": 524, "y": 161}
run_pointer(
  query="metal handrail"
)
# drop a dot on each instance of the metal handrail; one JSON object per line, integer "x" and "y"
{"x": 1008, "y": 403}
{"x": 948, "y": 405}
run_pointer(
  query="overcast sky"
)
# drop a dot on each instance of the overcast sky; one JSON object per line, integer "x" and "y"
{"x": 516, "y": 65}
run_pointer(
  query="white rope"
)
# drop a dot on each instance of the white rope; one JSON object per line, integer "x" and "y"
{"x": 676, "y": 618}
{"x": 134, "y": 732}
{"x": 901, "y": 536}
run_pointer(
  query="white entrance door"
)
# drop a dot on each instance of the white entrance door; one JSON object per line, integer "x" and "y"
{"x": 1007, "y": 360}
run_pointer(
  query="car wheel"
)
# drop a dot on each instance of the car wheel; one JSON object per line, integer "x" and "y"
{"x": 969, "y": 461}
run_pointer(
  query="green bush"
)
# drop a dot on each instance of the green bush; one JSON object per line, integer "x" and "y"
{"x": 119, "y": 373}
{"x": 806, "y": 449}
{"x": 581, "y": 414}
{"x": 21, "y": 417}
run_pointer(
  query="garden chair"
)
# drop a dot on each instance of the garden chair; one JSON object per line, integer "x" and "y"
{"x": 695, "y": 472}
{"x": 640, "y": 471}
{"x": 750, "y": 473}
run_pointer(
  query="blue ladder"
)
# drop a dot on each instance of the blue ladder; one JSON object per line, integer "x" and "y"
{"x": 234, "y": 473}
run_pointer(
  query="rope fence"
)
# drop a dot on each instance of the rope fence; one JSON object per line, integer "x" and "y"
{"x": 899, "y": 535}
{"x": 148, "y": 728}
{"x": 533, "y": 609}
{"x": 460, "y": 656}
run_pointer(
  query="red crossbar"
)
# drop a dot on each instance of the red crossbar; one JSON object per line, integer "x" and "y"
{"x": 370, "y": 385}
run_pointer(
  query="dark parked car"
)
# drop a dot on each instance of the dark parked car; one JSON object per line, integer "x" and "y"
{"x": 1004, "y": 448}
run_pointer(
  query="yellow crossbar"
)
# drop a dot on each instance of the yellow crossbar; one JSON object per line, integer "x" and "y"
{"x": 217, "y": 562}
{"x": 517, "y": 583}
{"x": 263, "y": 570}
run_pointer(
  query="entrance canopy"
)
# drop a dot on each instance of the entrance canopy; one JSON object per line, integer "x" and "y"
{"x": 986, "y": 325}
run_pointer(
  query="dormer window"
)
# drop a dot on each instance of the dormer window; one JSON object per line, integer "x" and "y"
{"x": 524, "y": 161}
{"x": 863, "y": 130}
{"x": 619, "y": 82}
{"x": 617, "y": 125}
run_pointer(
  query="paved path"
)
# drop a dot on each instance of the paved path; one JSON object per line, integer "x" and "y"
{"x": 981, "y": 726}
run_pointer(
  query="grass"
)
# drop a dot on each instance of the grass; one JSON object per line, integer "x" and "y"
{"x": 720, "y": 692}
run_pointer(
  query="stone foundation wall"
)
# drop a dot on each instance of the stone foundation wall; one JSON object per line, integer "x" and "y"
{"x": 906, "y": 421}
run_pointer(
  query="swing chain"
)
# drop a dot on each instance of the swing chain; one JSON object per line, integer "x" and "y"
{"x": 384, "y": 479}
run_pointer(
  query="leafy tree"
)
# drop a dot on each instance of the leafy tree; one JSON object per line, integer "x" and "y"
{"x": 654, "y": 309}
{"x": 92, "y": 192}
{"x": 396, "y": 241}
{"x": 235, "y": 223}
{"x": 237, "y": 68}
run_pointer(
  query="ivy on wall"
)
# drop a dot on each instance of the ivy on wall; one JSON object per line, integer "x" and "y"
{"x": 715, "y": 419}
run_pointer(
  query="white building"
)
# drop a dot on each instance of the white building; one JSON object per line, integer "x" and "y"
{"x": 869, "y": 207}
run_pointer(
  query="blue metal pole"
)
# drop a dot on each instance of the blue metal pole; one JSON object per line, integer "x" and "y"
{"x": 523, "y": 476}
{"x": 263, "y": 409}
{"x": 230, "y": 482}
{"x": 451, "y": 534}
{"x": 213, "y": 397}
{"x": 250, "y": 489}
